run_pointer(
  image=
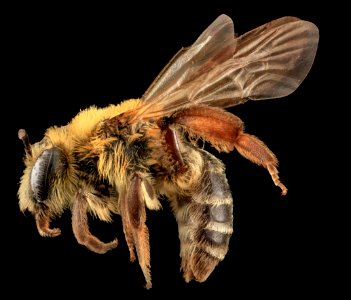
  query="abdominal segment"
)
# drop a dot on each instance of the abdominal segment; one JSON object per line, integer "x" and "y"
{"x": 205, "y": 220}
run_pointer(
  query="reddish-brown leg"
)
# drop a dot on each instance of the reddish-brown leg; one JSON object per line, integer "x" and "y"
{"x": 172, "y": 145}
{"x": 226, "y": 132}
{"x": 43, "y": 226}
{"x": 256, "y": 151}
{"x": 81, "y": 228}
{"x": 135, "y": 230}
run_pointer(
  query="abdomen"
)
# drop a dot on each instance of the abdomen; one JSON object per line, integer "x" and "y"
{"x": 203, "y": 206}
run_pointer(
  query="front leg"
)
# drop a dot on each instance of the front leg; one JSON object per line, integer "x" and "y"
{"x": 81, "y": 228}
{"x": 225, "y": 132}
{"x": 43, "y": 224}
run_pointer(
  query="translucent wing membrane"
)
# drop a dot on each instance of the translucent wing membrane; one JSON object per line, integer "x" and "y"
{"x": 221, "y": 70}
{"x": 275, "y": 58}
{"x": 190, "y": 63}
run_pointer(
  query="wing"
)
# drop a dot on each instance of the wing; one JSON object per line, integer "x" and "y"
{"x": 221, "y": 70}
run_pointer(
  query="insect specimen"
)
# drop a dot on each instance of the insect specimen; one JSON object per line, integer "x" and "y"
{"x": 123, "y": 159}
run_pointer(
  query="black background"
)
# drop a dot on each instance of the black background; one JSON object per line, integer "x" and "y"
{"x": 64, "y": 58}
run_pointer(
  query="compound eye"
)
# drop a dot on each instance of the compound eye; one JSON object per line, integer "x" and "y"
{"x": 47, "y": 167}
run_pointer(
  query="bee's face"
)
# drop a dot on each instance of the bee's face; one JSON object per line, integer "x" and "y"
{"x": 44, "y": 178}
{"x": 50, "y": 164}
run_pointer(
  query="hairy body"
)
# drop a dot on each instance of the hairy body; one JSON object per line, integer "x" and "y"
{"x": 122, "y": 159}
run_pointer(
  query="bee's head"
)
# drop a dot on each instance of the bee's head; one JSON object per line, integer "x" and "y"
{"x": 44, "y": 186}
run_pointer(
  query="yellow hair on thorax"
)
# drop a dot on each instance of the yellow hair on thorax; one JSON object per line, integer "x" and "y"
{"x": 86, "y": 120}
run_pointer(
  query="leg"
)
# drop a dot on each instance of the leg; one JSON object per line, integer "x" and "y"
{"x": 172, "y": 146}
{"x": 256, "y": 151}
{"x": 43, "y": 225}
{"x": 225, "y": 132}
{"x": 81, "y": 228}
{"x": 135, "y": 230}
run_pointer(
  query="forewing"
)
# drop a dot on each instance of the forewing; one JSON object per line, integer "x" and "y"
{"x": 220, "y": 70}
{"x": 275, "y": 58}
{"x": 214, "y": 46}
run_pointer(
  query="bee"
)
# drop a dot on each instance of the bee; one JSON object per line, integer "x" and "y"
{"x": 126, "y": 158}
